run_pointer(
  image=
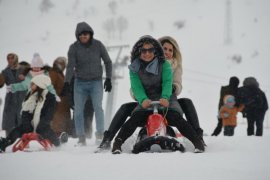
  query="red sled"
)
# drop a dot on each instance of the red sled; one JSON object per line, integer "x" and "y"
{"x": 27, "y": 137}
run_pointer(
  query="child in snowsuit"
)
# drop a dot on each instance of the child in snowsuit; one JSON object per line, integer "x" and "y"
{"x": 37, "y": 111}
{"x": 228, "y": 114}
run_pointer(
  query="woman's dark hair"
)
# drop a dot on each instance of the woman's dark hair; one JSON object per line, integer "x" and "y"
{"x": 39, "y": 93}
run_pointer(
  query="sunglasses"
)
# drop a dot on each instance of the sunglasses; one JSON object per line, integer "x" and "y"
{"x": 84, "y": 34}
{"x": 150, "y": 50}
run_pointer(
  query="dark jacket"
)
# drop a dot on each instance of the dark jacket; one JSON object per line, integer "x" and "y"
{"x": 13, "y": 101}
{"x": 254, "y": 99}
{"x": 84, "y": 60}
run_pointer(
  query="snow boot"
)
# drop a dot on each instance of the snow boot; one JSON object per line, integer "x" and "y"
{"x": 99, "y": 137}
{"x": 106, "y": 143}
{"x": 82, "y": 141}
{"x": 199, "y": 132}
{"x": 3, "y": 144}
{"x": 199, "y": 146}
{"x": 117, "y": 146}
{"x": 63, "y": 138}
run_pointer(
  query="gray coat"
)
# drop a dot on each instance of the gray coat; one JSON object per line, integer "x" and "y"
{"x": 84, "y": 60}
{"x": 13, "y": 101}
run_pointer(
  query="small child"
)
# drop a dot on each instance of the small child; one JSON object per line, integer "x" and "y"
{"x": 228, "y": 114}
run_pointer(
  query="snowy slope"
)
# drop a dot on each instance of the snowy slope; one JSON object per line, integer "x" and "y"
{"x": 236, "y": 158}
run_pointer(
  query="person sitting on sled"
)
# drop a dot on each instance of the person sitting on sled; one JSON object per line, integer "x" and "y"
{"x": 173, "y": 55}
{"x": 151, "y": 80}
{"x": 36, "y": 114}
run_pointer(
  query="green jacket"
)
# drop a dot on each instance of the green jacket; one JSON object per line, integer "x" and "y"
{"x": 139, "y": 91}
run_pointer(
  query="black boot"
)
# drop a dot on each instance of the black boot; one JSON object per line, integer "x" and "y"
{"x": 199, "y": 146}
{"x": 105, "y": 143}
{"x": 117, "y": 146}
{"x": 199, "y": 132}
{"x": 3, "y": 144}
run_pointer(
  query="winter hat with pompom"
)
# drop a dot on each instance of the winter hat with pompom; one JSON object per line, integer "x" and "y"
{"x": 42, "y": 81}
{"x": 37, "y": 61}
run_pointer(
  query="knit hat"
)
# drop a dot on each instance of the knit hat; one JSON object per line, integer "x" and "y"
{"x": 42, "y": 81}
{"x": 229, "y": 99}
{"x": 37, "y": 61}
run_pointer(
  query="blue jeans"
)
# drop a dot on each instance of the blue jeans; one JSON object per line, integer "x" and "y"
{"x": 82, "y": 90}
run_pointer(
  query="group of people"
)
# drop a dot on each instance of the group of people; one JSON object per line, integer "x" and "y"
{"x": 40, "y": 98}
{"x": 248, "y": 99}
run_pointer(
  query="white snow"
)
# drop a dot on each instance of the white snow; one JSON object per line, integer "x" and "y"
{"x": 234, "y": 158}
{"x": 207, "y": 63}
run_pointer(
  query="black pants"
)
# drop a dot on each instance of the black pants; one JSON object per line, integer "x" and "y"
{"x": 218, "y": 128}
{"x": 126, "y": 109}
{"x": 43, "y": 129}
{"x": 257, "y": 119}
{"x": 229, "y": 130}
{"x": 138, "y": 119}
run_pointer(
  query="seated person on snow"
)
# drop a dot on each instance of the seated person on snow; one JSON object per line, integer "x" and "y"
{"x": 151, "y": 80}
{"x": 37, "y": 112}
{"x": 173, "y": 55}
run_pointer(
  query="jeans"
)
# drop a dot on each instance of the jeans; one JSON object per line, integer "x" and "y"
{"x": 82, "y": 90}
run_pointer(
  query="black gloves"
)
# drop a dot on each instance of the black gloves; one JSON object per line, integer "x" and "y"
{"x": 108, "y": 85}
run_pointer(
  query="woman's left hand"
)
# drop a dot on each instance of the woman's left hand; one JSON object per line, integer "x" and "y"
{"x": 164, "y": 102}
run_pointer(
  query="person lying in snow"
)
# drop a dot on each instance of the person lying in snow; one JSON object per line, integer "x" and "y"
{"x": 37, "y": 111}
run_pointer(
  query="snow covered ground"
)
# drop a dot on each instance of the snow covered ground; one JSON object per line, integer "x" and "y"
{"x": 235, "y": 158}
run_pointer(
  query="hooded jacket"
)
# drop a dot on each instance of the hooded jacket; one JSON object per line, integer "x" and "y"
{"x": 151, "y": 80}
{"x": 176, "y": 64}
{"x": 84, "y": 60}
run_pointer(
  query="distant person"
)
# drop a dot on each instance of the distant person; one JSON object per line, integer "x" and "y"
{"x": 228, "y": 114}
{"x": 37, "y": 111}
{"x": 231, "y": 89}
{"x": 13, "y": 101}
{"x": 255, "y": 103}
{"x": 84, "y": 62}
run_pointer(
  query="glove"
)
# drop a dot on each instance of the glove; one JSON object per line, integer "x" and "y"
{"x": 66, "y": 89}
{"x": 57, "y": 98}
{"x": 108, "y": 85}
{"x": 8, "y": 88}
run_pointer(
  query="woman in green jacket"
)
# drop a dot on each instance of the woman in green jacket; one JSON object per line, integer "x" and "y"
{"x": 151, "y": 80}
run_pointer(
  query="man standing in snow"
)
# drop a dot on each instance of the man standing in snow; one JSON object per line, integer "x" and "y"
{"x": 84, "y": 62}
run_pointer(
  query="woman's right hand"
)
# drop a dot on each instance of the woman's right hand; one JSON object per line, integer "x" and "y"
{"x": 146, "y": 103}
